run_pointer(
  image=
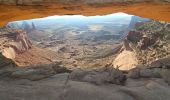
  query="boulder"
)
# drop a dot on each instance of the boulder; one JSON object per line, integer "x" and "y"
{"x": 5, "y": 62}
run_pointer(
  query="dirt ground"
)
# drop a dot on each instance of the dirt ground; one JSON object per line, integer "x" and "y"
{"x": 158, "y": 11}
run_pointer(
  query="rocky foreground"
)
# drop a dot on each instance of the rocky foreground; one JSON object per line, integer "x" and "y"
{"x": 54, "y": 81}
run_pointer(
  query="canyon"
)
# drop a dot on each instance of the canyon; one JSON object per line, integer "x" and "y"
{"x": 69, "y": 56}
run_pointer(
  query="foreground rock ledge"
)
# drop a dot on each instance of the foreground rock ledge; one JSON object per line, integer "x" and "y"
{"x": 54, "y": 81}
{"x": 58, "y": 87}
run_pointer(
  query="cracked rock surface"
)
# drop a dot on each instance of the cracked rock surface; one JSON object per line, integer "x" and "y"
{"x": 58, "y": 87}
{"x": 55, "y": 82}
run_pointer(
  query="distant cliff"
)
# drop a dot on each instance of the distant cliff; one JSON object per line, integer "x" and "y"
{"x": 26, "y": 26}
{"x": 135, "y": 20}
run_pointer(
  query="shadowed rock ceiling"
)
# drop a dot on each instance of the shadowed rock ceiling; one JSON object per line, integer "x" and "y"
{"x": 154, "y": 10}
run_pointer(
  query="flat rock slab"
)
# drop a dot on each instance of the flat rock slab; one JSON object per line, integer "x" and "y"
{"x": 58, "y": 87}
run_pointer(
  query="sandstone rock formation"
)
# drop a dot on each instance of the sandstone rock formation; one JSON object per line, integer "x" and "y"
{"x": 146, "y": 44}
{"x": 134, "y": 36}
{"x": 17, "y": 42}
{"x": 15, "y": 45}
{"x": 41, "y": 2}
{"x": 126, "y": 60}
{"x": 4, "y": 62}
{"x": 9, "y": 53}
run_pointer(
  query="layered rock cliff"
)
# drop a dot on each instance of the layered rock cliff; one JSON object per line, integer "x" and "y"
{"x": 13, "y": 41}
{"x": 15, "y": 45}
{"x": 145, "y": 44}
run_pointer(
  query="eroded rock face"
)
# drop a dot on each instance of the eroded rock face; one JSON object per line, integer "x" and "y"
{"x": 5, "y": 62}
{"x": 126, "y": 60}
{"x": 140, "y": 38}
{"x": 14, "y": 41}
{"x": 145, "y": 42}
{"x": 9, "y": 53}
{"x": 22, "y": 43}
{"x": 134, "y": 36}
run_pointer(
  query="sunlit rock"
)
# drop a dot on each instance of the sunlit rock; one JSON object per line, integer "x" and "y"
{"x": 126, "y": 60}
